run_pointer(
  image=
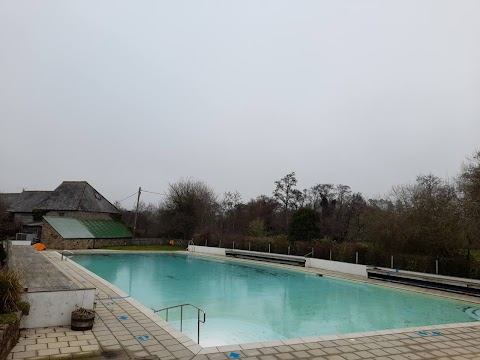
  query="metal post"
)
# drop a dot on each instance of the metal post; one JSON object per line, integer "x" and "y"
{"x": 289, "y": 250}
{"x": 248, "y": 246}
{"x": 233, "y": 246}
{"x": 436, "y": 267}
{"x": 181, "y": 317}
{"x": 268, "y": 247}
{"x": 198, "y": 326}
{"x": 167, "y": 316}
{"x": 330, "y": 254}
{"x": 356, "y": 257}
{"x": 136, "y": 213}
{"x": 220, "y": 243}
{"x": 391, "y": 263}
{"x": 312, "y": 252}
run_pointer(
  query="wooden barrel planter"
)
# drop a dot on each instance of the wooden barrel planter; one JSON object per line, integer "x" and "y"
{"x": 82, "y": 319}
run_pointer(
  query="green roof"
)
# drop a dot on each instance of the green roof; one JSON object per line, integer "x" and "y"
{"x": 106, "y": 229}
{"x": 88, "y": 229}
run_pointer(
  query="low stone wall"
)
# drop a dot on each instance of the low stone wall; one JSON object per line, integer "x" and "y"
{"x": 9, "y": 335}
{"x": 52, "y": 240}
{"x": 81, "y": 244}
{"x": 57, "y": 242}
{"x": 159, "y": 241}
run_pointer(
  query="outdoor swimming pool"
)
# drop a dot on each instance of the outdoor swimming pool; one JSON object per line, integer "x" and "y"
{"x": 246, "y": 302}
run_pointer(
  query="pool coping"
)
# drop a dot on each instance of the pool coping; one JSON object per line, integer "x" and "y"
{"x": 198, "y": 349}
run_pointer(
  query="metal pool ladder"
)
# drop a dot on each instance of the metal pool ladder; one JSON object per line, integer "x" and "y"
{"x": 67, "y": 254}
{"x": 199, "y": 318}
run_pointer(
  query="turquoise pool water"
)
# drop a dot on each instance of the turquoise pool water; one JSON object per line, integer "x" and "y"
{"x": 250, "y": 303}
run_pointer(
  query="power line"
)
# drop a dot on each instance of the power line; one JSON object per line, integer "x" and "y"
{"x": 128, "y": 197}
{"x": 136, "y": 192}
{"x": 152, "y": 192}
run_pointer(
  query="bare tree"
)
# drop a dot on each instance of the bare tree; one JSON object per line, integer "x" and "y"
{"x": 286, "y": 194}
{"x": 7, "y": 225}
{"x": 322, "y": 193}
{"x": 469, "y": 187}
{"x": 229, "y": 205}
{"x": 190, "y": 205}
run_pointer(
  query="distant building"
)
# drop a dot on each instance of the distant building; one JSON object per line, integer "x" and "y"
{"x": 21, "y": 205}
{"x": 36, "y": 211}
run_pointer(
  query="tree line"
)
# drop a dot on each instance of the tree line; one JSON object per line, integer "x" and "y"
{"x": 434, "y": 216}
{"x": 429, "y": 218}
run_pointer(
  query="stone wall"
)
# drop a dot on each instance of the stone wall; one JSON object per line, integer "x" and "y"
{"x": 82, "y": 244}
{"x": 159, "y": 241}
{"x": 52, "y": 240}
{"x": 50, "y": 237}
{"x": 99, "y": 243}
{"x": 9, "y": 335}
{"x": 23, "y": 218}
{"x": 27, "y": 218}
{"x": 81, "y": 215}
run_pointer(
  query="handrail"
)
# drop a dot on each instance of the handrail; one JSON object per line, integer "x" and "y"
{"x": 70, "y": 254}
{"x": 181, "y": 316}
{"x": 309, "y": 254}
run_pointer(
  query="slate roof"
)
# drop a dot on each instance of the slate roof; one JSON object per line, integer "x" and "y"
{"x": 26, "y": 201}
{"x": 77, "y": 196}
{"x": 8, "y": 198}
{"x": 88, "y": 229}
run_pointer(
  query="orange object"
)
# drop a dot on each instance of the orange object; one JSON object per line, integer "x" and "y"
{"x": 172, "y": 243}
{"x": 39, "y": 247}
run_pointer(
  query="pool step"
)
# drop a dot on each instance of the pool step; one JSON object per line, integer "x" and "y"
{"x": 431, "y": 281}
{"x": 268, "y": 257}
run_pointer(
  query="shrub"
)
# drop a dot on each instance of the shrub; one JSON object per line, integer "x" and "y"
{"x": 24, "y": 307}
{"x": 11, "y": 291}
{"x": 305, "y": 225}
{"x": 9, "y": 319}
{"x": 83, "y": 311}
{"x": 256, "y": 227}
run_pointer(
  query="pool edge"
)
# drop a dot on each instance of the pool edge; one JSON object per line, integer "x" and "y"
{"x": 200, "y": 350}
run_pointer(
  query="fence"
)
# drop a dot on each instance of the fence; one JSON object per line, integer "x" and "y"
{"x": 355, "y": 253}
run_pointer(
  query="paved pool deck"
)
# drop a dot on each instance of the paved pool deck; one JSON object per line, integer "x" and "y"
{"x": 126, "y": 329}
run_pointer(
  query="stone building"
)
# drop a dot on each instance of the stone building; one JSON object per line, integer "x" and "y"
{"x": 21, "y": 205}
{"x": 72, "y": 200}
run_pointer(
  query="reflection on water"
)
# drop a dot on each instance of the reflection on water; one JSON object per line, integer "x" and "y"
{"x": 246, "y": 303}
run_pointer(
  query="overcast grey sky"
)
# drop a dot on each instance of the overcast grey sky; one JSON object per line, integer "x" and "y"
{"x": 236, "y": 93}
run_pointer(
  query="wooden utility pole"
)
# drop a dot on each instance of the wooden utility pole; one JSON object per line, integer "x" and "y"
{"x": 136, "y": 213}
